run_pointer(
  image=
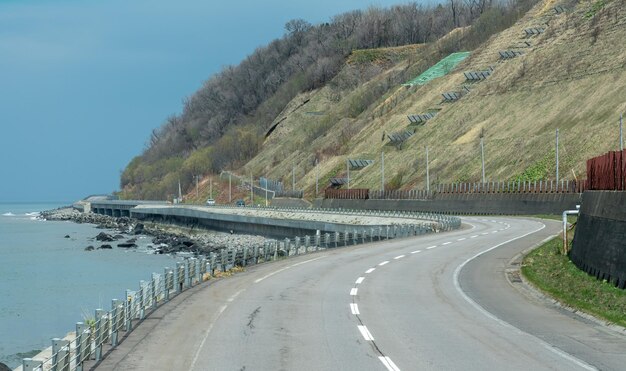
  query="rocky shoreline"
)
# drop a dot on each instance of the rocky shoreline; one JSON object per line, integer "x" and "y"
{"x": 165, "y": 239}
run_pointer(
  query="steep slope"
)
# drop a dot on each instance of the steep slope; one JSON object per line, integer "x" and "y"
{"x": 569, "y": 77}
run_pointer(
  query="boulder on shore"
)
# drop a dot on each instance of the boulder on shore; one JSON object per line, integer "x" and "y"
{"x": 67, "y": 236}
{"x": 126, "y": 245}
{"x": 104, "y": 237}
{"x": 4, "y": 367}
{"x": 89, "y": 248}
{"x": 105, "y": 247}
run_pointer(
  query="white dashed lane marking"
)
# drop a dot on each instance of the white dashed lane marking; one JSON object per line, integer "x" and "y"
{"x": 370, "y": 270}
{"x": 446, "y": 243}
{"x": 366, "y": 333}
{"x": 383, "y": 263}
{"x": 353, "y": 291}
{"x": 399, "y": 257}
{"x": 359, "y": 280}
{"x": 354, "y": 308}
{"x": 389, "y": 364}
{"x": 431, "y": 247}
{"x": 416, "y": 251}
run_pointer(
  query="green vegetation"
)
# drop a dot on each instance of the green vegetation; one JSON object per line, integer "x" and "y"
{"x": 552, "y": 272}
{"x": 595, "y": 8}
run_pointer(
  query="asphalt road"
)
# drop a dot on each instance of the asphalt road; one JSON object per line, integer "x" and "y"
{"x": 440, "y": 302}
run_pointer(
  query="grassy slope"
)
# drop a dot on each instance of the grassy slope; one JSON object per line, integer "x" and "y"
{"x": 569, "y": 79}
{"x": 557, "y": 276}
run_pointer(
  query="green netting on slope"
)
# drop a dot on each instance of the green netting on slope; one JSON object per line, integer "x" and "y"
{"x": 442, "y": 68}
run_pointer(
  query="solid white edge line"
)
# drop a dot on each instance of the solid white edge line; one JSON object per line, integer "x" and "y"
{"x": 366, "y": 333}
{"x": 502, "y": 322}
{"x": 389, "y": 363}
{"x": 370, "y": 270}
{"x": 353, "y": 291}
{"x": 399, "y": 257}
{"x": 359, "y": 280}
{"x": 383, "y": 263}
{"x": 208, "y": 330}
{"x": 285, "y": 268}
{"x": 354, "y": 307}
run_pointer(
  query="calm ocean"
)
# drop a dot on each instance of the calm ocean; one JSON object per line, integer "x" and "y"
{"x": 48, "y": 282}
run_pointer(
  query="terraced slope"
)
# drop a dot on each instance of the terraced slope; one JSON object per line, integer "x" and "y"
{"x": 571, "y": 77}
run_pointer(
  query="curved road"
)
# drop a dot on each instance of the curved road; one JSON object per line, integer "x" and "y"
{"x": 431, "y": 302}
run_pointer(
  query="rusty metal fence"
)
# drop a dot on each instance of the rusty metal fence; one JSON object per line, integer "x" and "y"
{"x": 607, "y": 172}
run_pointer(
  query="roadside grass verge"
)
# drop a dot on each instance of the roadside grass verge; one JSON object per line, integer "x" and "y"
{"x": 555, "y": 275}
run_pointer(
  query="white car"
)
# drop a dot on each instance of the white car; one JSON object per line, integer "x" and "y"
{"x": 210, "y": 202}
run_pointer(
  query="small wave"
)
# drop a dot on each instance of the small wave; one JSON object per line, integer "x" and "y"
{"x": 8, "y": 214}
{"x": 34, "y": 213}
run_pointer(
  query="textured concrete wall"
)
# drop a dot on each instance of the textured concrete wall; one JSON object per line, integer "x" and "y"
{"x": 497, "y": 203}
{"x": 277, "y": 228}
{"x": 599, "y": 246}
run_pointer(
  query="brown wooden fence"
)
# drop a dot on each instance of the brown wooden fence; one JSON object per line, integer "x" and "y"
{"x": 607, "y": 172}
{"x": 347, "y": 194}
{"x": 536, "y": 186}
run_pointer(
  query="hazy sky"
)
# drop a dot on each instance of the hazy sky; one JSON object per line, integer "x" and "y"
{"x": 83, "y": 82}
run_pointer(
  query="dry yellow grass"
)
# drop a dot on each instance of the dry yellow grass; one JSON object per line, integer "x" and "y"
{"x": 570, "y": 78}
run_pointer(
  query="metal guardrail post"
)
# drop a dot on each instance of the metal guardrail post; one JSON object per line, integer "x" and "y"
{"x": 142, "y": 299}
{"x": 153, "y": 290}
{"x": 245, "y": 256}
{"x": 166, "y": 281}
{"x": 178, "y": 285}
{"x": 256, "y": 255}
{"x": 307, "y": 243}
{"x": 297, "y": 245}
{"x": 29, "y": 364}
{"x": 336, "y": 238}
{"x": 212, "y": 270}
{"x": 82, "y": 344}
{"x": 128, "y": 310}
{"x": 100, "y": 316}
{"x": 116, "y": 313}
{"x": 60, "y": 355}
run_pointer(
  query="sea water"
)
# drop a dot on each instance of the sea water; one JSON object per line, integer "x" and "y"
{"x": 49, "y": 282}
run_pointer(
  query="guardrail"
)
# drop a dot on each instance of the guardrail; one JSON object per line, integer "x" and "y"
{"x": 94, "y": 338}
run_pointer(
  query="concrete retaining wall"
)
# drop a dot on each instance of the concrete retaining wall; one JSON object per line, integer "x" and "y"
{"x": 469, "y": 203}
{"x": 276, "y": 228}
{"x": 599, "y": 246}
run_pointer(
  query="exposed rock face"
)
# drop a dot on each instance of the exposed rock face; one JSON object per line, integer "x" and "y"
{"x": 4, "y": 367}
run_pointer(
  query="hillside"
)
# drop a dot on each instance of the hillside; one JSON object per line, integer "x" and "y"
{"x": 567, "y": 77}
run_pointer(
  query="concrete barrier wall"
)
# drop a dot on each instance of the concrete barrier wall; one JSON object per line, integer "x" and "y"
{"x": 276, "y": 228}
{"x": 599, "y": 246}
{"x": 498, "y": 204}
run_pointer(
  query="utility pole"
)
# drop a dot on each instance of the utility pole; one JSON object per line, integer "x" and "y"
{"x": 266, "y": 185}
{"x": 230, "y": 187}
{"x": 427, "y": 174}
{"x": 317, "y": 177}
{"x": 621, "y": 137}
{"x": 197, "y": 178}
{"x": 211, "y": 187}
{"x": 348, "y": 166}
{"x": 482, "y": 153}
{"x": 251, "y": 190}
{"x": 557, "y": 157}
{"x": 293, "y": 178}
{"x": 180, "y": 193}
{"x": 382, "y": 171}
